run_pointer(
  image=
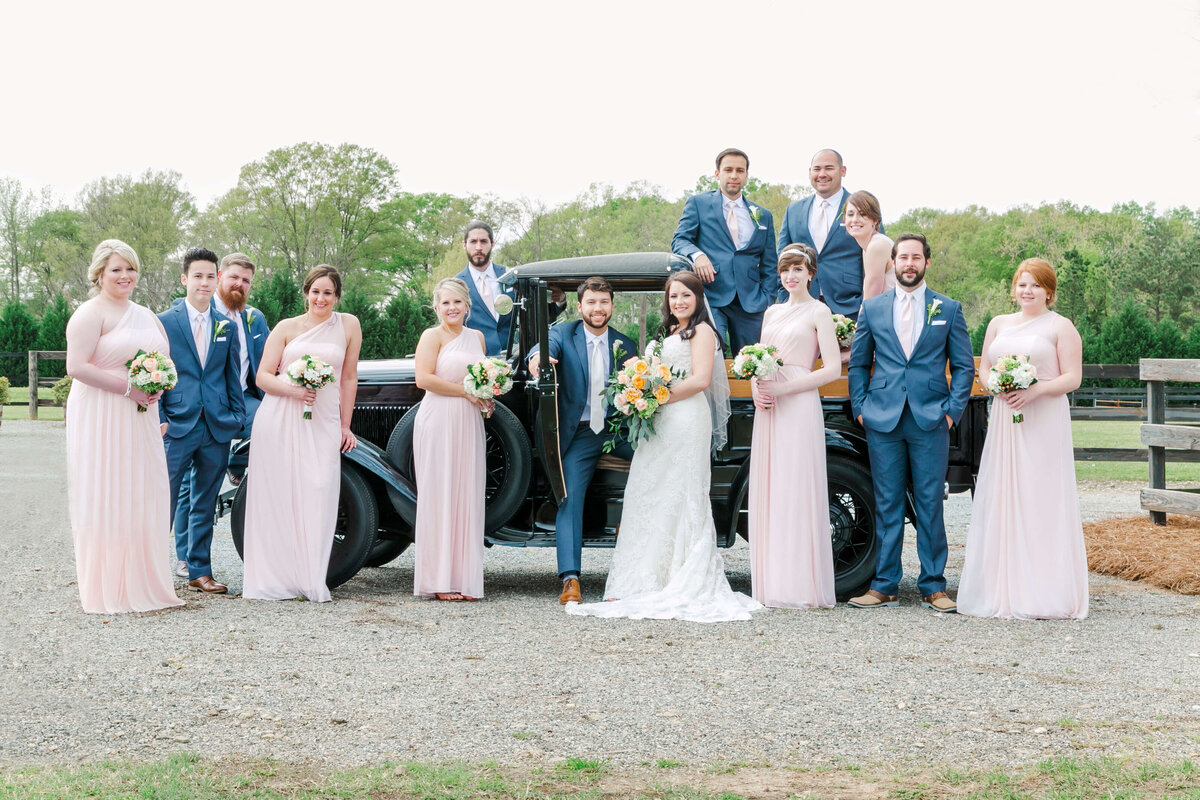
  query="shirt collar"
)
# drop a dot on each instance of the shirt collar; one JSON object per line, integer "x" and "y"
{"x": 193, "y": 313}
{"x": 740, "y": 200}
{"x": 918, "y": 294}
{"x": 485, "y": 272}
{"x": 591, "y": 337}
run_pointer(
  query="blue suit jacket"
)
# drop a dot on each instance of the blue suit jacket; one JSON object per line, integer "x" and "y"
{"x": 495, "y": 331}
{"x": 568, "y": 345}
{"x": 749, "y": 273}
{"x": 839, "y": 265}
{"x": 214, "y": 389}
{"x": 920, "y": 380}
{"x": 259, "y": 330}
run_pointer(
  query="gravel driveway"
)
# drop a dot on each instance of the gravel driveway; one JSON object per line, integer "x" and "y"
{"x": 378, "y": 674}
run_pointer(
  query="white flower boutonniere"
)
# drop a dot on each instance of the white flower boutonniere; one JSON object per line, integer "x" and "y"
{"x": 935, "y": 308}
{"x": 220, "y": 328}
{"x": 756, "y": 213}
{"x": 249, "y": 317}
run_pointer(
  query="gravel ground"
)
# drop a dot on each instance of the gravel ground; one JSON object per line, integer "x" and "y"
{"x": 379, "y": 675}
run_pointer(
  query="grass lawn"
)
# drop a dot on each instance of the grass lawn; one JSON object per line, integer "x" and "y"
{"x": 190, "y": 777}
{"x": 18, "y": 404}
{"x": 1109, "y": 433}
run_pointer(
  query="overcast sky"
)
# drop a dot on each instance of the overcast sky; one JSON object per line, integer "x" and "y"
{"x": 938, "y": 104}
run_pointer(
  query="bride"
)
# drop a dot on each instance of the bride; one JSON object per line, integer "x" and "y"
{"x": 666, "y": 564}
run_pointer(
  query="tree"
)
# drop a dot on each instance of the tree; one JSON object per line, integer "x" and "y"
{"x": 18, "y": 334}
{"x": 1162, "y": 268}
{"x": 278, "y": 297}
{"x": 52, "y": 334}
{"x": 1127, "y": 336}
{"x": 16, "y": 214}
{"x": 59, "y": 254}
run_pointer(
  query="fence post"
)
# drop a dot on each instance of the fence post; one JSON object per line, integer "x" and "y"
{"x": 33, "y": 384}
{"x": 1156, "y": 402}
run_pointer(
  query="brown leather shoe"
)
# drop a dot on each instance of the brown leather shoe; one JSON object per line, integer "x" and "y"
{"x": 874, "y": 599}
{"x": 570, "y": 592}
{"x": 940, "y": 602}
{"x": 206, "y": 584}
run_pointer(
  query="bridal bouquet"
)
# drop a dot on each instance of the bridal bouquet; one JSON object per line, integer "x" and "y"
{"x": 756, "y": 361}
{"x": 311, "y": 373}
{"x": 488, "y": 378}
{"x": 636, "y": 390}
{"x": 151, "y": 372}
{"x": 1009, "y": 374}
{"x": 844, "y": 327}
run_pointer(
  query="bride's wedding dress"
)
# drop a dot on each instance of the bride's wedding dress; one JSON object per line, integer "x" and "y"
{"x": 666, "y": 564}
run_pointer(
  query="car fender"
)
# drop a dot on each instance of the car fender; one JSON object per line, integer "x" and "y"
{"x": 373, "y": 460}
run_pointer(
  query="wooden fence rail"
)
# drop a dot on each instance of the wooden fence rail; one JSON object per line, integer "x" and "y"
{"x": 1158, "y": 436}
{"x": 34, "y": 383}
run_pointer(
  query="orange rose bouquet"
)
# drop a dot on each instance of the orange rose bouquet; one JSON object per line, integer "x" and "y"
{"x": 636, "y": 389}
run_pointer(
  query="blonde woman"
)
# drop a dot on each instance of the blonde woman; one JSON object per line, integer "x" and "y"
{"x": 448, "y": 454}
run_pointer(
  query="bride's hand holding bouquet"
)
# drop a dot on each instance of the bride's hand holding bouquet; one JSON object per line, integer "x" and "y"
{"x": 637, "y": 390}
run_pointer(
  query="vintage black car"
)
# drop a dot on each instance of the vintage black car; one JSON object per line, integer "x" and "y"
{"x": 524, "y": 473}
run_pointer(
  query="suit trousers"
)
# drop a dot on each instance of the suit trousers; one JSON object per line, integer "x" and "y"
{"x": 895, "y": 456}
{"x": 744, "y": 327}
{"x": 197, "y": 459}
{"x": 183, "y": 503}
{"x": 579, "y": 465}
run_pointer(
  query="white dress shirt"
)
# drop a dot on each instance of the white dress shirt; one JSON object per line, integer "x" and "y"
{"x": 485, "y": 278}
{"x": 205, "y": 321}
{"x": 918, "y": 299}
{"x": 243, "y": 339}
{"x": 814, "y": 216}
{"x": 590, "y": 337}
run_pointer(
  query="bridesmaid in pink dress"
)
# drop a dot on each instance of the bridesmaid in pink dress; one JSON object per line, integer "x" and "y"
{"x": 791, "y": 552}
{"x": 448, "y": 451}
{"x": 116, "y": 465}
{"x": 1025, "y": 555}
{"x": 294, "y": 469}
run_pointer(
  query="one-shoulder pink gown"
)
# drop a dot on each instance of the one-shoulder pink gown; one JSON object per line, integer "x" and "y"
{"x": 448, "y": 452}
{"x": 791, "y": 551}
{"x": 294, "y": 478}
{"x": 117, "y": 480}
{"x": 1025, "y": 555}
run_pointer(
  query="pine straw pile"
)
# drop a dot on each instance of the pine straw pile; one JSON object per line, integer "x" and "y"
{"x": 1136, "y": 549}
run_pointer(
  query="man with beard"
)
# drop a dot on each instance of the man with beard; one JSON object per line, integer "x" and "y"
{"x": 584, "y": 352}
{"x": 234, "y": 278}
{"x": 911, "y": 336}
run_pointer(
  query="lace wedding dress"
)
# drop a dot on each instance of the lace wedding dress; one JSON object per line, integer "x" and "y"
{"x": 666, "y": 564}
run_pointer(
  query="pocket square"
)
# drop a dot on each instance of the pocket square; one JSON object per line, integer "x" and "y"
{"x": 938, "y": 322}
{"x": 222, "y": 338}
{"x": 258, "y": 336}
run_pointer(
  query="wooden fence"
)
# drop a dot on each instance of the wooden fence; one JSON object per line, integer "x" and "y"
{"x": 35, "y": 383}
{"x": 1158, "y": 436}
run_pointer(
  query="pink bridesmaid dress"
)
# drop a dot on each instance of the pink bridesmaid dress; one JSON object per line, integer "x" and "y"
{"x": 448, "y": 453}
{"x": 295, "y": 480}
{"x": 791, "y": 549}
{"x": 117, "y": 480}
{"x": 1025, "y": 555}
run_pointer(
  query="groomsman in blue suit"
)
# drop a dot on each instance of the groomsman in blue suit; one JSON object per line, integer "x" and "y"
{"x": 584, "y": 353}
{"x": 234, "y": 279}
{"x": 203, "y": 412}
{"x": 731, "y": 243}
{"x": 911, "y": 336}
{"x": 817, "y": 221}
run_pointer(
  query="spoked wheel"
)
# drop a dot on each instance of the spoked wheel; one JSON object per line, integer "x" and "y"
{"x": 852, "y": 524}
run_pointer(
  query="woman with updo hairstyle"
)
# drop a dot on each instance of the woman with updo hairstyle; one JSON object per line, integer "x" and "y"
{"x": 862, "y": 220}
{"x": 448, "y": 453}
{"x": 294, "y": 474}
{"x": 1025, "y": 555}
{"x": 791, "y": 552}
{"x": 118, "y": 491}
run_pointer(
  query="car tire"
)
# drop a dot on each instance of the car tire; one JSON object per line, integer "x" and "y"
{"x": 509, "y": 465}
{"x": 384, "y": 551}
{"x": 354, "y": 532}
{"x": 852, "y": 524}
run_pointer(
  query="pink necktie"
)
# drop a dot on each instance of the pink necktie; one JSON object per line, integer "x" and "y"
{"x": 732, "y": 221}
{"x": 906, "y": 325}
{"x": 201, "y": 340}
{"x": 822, "y": 227}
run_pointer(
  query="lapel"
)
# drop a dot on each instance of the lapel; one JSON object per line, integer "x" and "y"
{"x": 885, "y": 320}
{"x": 182, "y": 321}
{"x": 926, "y": 321}
{"x": 580, "y": 345}
{"x": 250, "y": 365}
{"x": 839, "y": 213}
{"x": 499, "y": 271}
{"x": 718, "y": 210}
{"x": 801, "y": 233}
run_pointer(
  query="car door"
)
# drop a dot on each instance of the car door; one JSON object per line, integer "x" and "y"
{"x": 547, "y": 396}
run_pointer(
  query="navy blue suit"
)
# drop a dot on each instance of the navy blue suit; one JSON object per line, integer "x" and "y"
{"x": 579, "y": 445}
{"x": 203, "y": 413}
{"x": 904, "y": 404}
{"x": 495, "y": 331}
{"x": 839, "y": 277}
{"x": 747, "y": 279}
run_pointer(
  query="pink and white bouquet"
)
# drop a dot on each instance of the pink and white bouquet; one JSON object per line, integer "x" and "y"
{"x": 843, "y": 328}
{"x": 756, "y": 361}
{"x": 488, "y": 378}
{"x": 636, "y": 389}
{"x": 311, "y": 373}
{"x": 1009, "y": 374}
{"x": 151, "y": 372}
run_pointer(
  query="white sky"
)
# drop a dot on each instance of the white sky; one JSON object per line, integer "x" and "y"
{"x": 939, "y": 104}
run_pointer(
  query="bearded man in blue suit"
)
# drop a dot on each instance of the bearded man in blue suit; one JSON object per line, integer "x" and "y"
{"x": 731, "y": 244}
{"x": 203, "y": 412}
{"x": 911, "y": 337}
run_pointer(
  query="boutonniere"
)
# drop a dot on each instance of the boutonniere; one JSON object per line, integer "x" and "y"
{"x": 935, "y": 308}
{"x": 220, "y": 328}
{"x": 756, "y": 214}
{"x": 249, "y": 317}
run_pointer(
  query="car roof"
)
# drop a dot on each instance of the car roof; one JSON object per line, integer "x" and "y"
{"x": 625, "y": 271}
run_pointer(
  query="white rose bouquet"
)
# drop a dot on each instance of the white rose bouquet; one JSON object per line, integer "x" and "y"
{"x": 1009, "y": 374}
{"x": 756, "y": 361}
{"x": 488, "y": 378}
{"x": 844, "y": 328}
{"x": 311, "y": 373}
{"x": 151, "y": 372}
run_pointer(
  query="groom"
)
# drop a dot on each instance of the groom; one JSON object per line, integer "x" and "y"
{"x": 910, "y": 336}
{"x": 583, "y": 351}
